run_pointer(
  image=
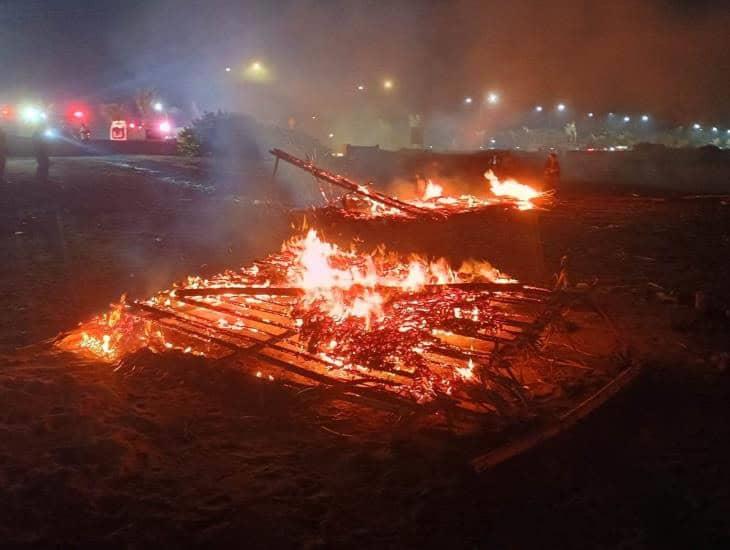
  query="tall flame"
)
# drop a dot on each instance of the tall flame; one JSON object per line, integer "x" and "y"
{"x": 432, "y": 191}
{"x": 522, "y": 193}
{"x": 354, "y": 289}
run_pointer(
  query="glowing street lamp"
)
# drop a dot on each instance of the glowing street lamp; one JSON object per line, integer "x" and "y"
{"x": 492, "y": 98}
{"x": 228, "y": 69}
{"x": 627, "y": 118}
{"x": 561, "y": 107}
{"x": 256, "y": 71}
{"x": 361, "y": 87}
{"x": 644, "y": 118}
{"x": 157, "y": 106}
{"x": 468, "y": 100}
{"x": 590, "y": 115}
{"x": 165, "y": 127}
{"x": 697, "y": 126}
{"x": 330, "y": 135}
{"x": 388, "y": 84}
{"x": 714, "y": 129}
{"x": 538, "y": 109}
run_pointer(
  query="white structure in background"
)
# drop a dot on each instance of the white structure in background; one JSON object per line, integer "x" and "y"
{"x": 121, "y": 130}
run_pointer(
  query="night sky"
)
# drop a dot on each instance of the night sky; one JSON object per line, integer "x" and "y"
{"x": 666, "y": 57}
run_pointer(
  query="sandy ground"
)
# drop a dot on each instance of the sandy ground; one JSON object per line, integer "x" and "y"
{"x": 175, "y": 452}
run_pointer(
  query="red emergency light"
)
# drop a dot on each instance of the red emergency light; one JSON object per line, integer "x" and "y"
{"x": 77, "y": 113}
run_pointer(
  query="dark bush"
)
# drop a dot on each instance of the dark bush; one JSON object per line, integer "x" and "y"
{"x": 188, "y": 143}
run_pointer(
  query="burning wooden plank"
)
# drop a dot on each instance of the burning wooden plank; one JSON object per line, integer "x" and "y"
{"x": 351, "y": 186}
{"x": 396, "y": 330}
{"x": 433, "y": 204}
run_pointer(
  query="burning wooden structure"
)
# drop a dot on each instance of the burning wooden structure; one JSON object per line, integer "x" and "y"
{"x": 398, "y": 333}
{"x": 365, "y": 203}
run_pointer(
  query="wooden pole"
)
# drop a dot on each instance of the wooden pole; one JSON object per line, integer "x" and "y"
{"x": 354, "y": 187}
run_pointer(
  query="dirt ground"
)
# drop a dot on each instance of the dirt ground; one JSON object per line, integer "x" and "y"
{"x": 188, "y": 454}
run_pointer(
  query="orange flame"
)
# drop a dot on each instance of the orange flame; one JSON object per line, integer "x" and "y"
{"x": 432, "y": 191}
{"x": 511, "y": 188}
{"x": 354, "y": 292}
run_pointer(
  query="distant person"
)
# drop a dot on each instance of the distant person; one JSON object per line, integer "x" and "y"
{"x": 552, "y": 170}
{"x": 84, "y": 132}
{"x": 3, "y": 153}
{"x": 40, "y": 149}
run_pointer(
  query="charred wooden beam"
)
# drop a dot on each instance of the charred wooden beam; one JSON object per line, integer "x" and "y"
{"x": 295, "y": 291}
{"x": 354, "y": 187}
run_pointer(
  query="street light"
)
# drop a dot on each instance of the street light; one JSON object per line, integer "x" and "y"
{"x": 561, "y": 107}
{"x": 157, "y": 106}
{"x": 697, "y": 126}
{"x": 361, "y": 87}
{"x": 538, "y": 109}
{"x": 714, "y": 129}
{"x": 627, "y": 118}
{"x": 228, "y": 69}
{"x": 468, "y": 100}
{"x": 331, "y": 135}
{"x": 590, "y": 115}
{"x": 492, "y": 98}
{"x": 644, "y": 118}
{"x": 388, "y": 84}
